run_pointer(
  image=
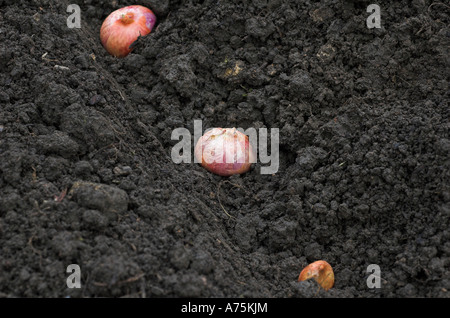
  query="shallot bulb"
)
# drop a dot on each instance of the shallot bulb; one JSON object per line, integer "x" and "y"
{"x": 321, "y": 272}
{"x": 123, "y": 26}
{"x": 225, "y": 151}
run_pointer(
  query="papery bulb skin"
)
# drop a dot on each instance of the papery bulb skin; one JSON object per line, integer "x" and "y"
{"x": 321, "y": 272}
{"x": 225, "y": 152}
{"x": 123, "y": 26}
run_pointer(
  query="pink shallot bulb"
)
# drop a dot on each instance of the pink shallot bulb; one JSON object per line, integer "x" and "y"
{"x": 225, "y": 152}
{"x": 122, "y": 27}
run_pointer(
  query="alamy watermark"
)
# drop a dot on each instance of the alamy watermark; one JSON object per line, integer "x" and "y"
{"x": 373, "y": 21}
{"x": 182, "y": 151}
{"x": 74, "y": 279}
{"x": 74, "y": 20}
{"x": 374, "y": 279}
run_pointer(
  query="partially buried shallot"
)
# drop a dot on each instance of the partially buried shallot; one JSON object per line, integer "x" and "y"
{"x": 321, "y": 271}
{"x": 225, "y": 151}
{"x": 122, "y": 27}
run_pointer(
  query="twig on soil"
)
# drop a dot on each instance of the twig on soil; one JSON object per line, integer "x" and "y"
{"x": 132, "y": 279}
{"x": 434, "y": 3}
{"x": 218, "y": 198}
{"x": 60, "y": 67}
{"x": 45, "y": 58}
{"x": 30, "y": 243}
{"x": 34, "y": 175}
{"x": 120, "y": 93}
{"x": 61, "y": 195}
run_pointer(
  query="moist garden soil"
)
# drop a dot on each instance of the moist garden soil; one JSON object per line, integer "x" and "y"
{"x": 87, "y": 176}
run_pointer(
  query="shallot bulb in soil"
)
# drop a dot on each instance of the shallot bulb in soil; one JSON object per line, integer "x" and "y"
{"x": 321, "y": 272}
{"x": 123, "y": 26}
{"x": 225, "y": 152}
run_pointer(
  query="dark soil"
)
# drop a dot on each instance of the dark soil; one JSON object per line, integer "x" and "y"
{"x": 86, "y": 175}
